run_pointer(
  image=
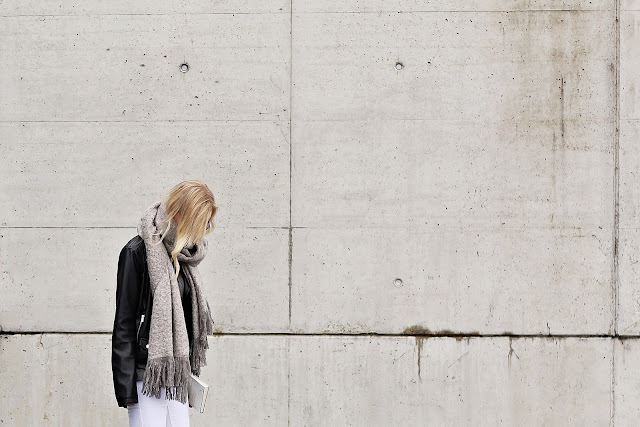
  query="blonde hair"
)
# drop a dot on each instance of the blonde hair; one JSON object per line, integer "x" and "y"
{"x": 196, "y": 205}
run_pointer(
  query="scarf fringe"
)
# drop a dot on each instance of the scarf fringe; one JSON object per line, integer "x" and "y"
{"x": 201, "y": 344}
{"x": 171, "y": 373}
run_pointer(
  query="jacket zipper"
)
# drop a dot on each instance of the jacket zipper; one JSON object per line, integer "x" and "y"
{"x": 142, "y": 316}
{"x": 139, "y": 326}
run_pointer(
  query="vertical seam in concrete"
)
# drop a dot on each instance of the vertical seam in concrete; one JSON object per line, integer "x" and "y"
{"x": 290, "y": 146}
{"x": 288, "y": 380}
{"x": 616, "y": 173}
{"x": 290, "y": 204}
{"x": 616, "y": 213}
{"x": 612, "y": 384}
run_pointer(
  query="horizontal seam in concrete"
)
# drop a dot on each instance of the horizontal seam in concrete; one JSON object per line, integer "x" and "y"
{"x": 85, "y": 15}
{"x": 373, "y": 334}
{"x": 453, "y": 11}
{"x": 351, "y": 120}
{"x": 117, "y": 227}
{"x": 283, "y": 12}
{"x": 151, "y": 121}
{"x": 319, "y": 227}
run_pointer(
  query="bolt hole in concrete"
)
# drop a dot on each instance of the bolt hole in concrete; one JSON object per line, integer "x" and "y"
{"x": 397, "y": 283}
{"x": 184, "y": 68}
{"x": 399, "y": 66}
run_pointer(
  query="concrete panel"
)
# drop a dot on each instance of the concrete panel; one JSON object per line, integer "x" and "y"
{"x": 126, "y": 67}
{"x": 434, "y": 174}
{"x": 142, "y": 7}
{"x": 629, "y": 167}
{"x": 57, "y": 380}
{"x": 487, "y": 281}
{"x": 249, "y": 280}
{"x": 106, "y": 174}
{"x": 629, "y": 282}
{"x": 548, "y": 68}
{"x": 629, "y": 64}
{"x": 629, "y": 233}
{"x": 64, "y": 279}
{"x": 249, "y": 378}
{"x": 384, "y": 381}
{"x": 629, "y": 163}
{"x": 629, "y": 156}
{"x": 448, "y": 6}
{"x": 67, "y": 381}
{"x": 59, "y": 279}
{"x": 626, "y": 377}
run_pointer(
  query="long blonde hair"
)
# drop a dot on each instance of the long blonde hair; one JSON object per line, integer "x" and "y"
{"x": 197, "y": 207}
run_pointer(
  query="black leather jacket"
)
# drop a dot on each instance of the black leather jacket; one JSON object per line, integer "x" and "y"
{"x": 130, "y": 329}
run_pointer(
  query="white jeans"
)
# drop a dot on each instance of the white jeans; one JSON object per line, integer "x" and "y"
{"x": 153, "y": 412}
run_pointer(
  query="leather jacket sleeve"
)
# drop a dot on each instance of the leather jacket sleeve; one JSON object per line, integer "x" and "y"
{"x": 124, "y": 339}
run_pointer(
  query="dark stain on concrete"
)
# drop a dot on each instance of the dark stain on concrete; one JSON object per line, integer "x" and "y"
{"x": 562, "y": 111}
{"x": 416, "y": 330}
{"x": 421, "y": 334}
{"x": 511, "y": 352}
{"x": 419, "y": 341}
{"x": 420, "y": 330}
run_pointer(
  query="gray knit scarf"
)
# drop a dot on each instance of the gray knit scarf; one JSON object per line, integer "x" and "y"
{"x": 168, "y": 363}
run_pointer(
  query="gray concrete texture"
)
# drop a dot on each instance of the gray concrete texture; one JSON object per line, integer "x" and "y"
{"x": 495, "y": 174}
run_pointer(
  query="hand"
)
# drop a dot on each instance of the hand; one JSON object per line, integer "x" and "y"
{"x": 131, "y": 404}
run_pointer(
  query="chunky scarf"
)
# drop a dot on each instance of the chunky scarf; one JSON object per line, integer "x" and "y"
{"x": 168, "y": 363}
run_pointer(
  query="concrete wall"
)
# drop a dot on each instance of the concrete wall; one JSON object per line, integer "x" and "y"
{"x": 495, "y": 174}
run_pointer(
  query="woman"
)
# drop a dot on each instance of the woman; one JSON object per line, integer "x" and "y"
{"x": 162, "y": 317}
